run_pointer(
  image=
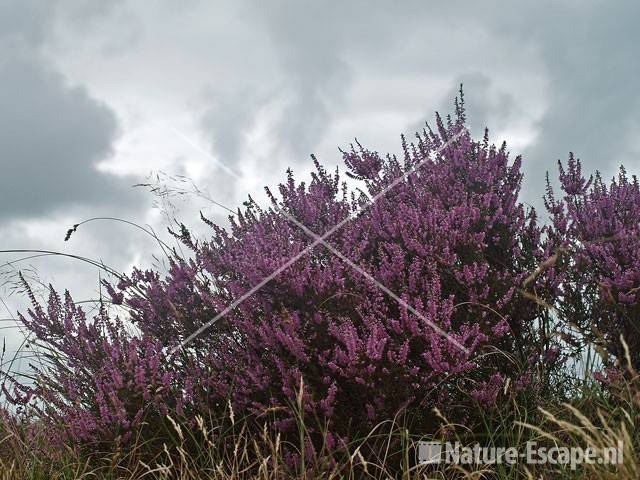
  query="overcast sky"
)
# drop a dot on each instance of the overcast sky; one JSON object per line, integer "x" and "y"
{"x": 95, "y": 96}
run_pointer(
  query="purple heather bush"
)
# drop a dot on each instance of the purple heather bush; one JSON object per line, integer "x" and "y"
{"x": 596, "y": 229}
{"x": 96, "y": 378}
{"x": 451, "y": 240}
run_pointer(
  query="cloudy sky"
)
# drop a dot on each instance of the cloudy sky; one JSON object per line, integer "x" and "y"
{"x": 96, "y": 96}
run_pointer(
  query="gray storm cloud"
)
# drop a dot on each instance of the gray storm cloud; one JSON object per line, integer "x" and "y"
{"x": 52, "y": 137}
{"x": 52, "y": 134}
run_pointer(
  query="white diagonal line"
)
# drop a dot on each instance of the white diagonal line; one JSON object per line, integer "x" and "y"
{"x": 372, "y": 279}
{"x": 205, "y": 153}
{"x": 309, "y": 247}
{"x": 253, "y": 290}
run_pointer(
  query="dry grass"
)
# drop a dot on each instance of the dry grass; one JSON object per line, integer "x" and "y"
{"x": 224, "y": 448}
